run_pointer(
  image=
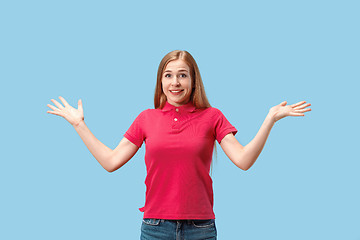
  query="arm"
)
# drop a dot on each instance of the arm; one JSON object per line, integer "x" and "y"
{"x": 245, "y": 157}
{"x": 110, "y": 160}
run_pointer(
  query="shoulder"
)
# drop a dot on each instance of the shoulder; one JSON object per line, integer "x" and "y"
{"x": 149, "y": 113}
{"x": 212, "y": 111}
{"x": 142, "y": 114}
{"x": 215, "y": 110}
{"x": 210, "y": 114}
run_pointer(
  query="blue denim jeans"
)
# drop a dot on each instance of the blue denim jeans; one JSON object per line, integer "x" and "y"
{"x": 159, "y": 229}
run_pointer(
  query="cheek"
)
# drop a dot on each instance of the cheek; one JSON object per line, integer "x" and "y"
{"x": 165, "y": 88}
{"x": 190, "y": 85}
{"x": 163, "y": 85}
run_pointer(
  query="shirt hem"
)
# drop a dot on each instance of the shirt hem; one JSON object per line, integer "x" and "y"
{"x": 179, "y": 217}
{"x": 132, "y": 139}
{"x": 225, "y": 132}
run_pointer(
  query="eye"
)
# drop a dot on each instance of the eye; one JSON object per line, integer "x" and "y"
{"x": 167, "y": 75}
{"x": 183, "y": 75}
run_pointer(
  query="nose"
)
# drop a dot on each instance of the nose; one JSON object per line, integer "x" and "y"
{"x": 175, "y": 81}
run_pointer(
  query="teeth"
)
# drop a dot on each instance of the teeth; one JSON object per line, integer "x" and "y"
{"x": 176, "y": 91}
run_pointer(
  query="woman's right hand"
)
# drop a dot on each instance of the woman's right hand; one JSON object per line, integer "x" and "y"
{"x": 72, "y": 115}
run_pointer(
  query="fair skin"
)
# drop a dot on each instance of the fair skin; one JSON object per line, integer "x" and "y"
{"x": 109, "y": 159}
{"x": 177, "y": 86}
{"x": 176, "y": 82}
{"x": 245, "y": 157}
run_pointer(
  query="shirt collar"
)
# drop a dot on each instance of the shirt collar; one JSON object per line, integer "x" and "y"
{"x": 189, "y": 107}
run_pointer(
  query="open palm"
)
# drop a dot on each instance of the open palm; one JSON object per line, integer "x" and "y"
{"x": 282, "y": 110}
{"x": 72, "y": 115}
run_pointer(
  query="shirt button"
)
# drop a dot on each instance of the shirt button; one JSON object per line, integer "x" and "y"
{"x": 176, "y": 109}
{"x": 175, "y": 119}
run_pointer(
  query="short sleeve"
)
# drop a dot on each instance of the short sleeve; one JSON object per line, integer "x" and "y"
{"x": 222, "y": 126}
{"x": 135, "y": 133}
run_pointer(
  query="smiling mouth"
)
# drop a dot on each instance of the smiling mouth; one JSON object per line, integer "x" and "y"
{"x": 176, "y": 91}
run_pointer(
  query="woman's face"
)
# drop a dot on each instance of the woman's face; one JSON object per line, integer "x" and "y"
{"x": 176, "y": 82}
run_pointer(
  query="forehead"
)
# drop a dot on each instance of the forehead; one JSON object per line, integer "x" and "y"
{"x": 177, "y": 64}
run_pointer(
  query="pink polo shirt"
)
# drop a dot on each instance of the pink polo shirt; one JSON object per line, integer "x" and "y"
{"x": 179, "y": 145}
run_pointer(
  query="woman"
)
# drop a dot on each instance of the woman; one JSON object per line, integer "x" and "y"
{"x": 179, "y": 135}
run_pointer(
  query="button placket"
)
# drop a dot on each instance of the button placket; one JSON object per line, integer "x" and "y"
{"x": 176, "y": 118}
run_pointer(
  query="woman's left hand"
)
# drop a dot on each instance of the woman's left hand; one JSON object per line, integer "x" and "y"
{"x": 282, "y": 110}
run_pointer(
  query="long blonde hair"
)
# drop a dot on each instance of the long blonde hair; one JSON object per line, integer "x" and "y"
{"x": 198, "y": 95}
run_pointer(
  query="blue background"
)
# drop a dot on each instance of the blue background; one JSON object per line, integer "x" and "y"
{"x": 252, "y": 55}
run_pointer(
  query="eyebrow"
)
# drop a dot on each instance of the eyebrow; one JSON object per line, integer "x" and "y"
{"x": 181, "y": 70}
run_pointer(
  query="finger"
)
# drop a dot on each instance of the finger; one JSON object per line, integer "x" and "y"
{"x": 56, "y": 110}
{"x": 52, "y": 107}
{"x": 298, "y": 104}
{"x": 283, "y": 103}
{"x": 303, "y": 106}
{"x": 302, "y": 110}
{"x": 64, "y": 101}
{"x": 80, "y": 105}
{"x": 57, "y": 104}
{"x": 55, "y": 113}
